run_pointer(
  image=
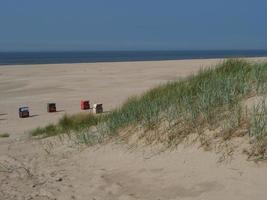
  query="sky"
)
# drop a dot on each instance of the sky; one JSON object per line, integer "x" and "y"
{"x": 79, "y": 25}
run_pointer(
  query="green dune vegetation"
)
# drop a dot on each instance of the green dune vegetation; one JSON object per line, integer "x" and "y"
{"x": 4, "y": 135}
{"x": 222, "y": 102}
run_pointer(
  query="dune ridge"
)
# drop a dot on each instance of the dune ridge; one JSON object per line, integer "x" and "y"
{"x": 120, "y": 168}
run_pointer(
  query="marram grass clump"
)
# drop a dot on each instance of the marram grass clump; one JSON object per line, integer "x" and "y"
{"x": 208, "y": 100}
{"x": 67, "y": 124}
{"x": 4, "y": 135}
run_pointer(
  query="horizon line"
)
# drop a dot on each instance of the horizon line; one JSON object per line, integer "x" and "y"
{"x": 141, "y": 50}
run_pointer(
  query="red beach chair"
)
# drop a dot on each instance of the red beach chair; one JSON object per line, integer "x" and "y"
{"x": 85, "y": 105}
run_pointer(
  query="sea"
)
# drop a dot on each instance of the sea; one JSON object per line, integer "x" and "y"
{"x": 20, "y": 58}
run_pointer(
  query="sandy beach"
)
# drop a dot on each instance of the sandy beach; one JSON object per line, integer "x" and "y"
{"x": 53, "y": 169}
{"x": 67, "y": 84}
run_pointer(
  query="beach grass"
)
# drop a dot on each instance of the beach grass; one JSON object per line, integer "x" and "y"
{"x": 209, "y": 99}
{"x": 4, "y": 135}
{"x": 258, "y": 122}
{"x": 67, "y": 124}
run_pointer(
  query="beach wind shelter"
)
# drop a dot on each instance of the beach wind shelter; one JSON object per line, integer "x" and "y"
{"x": 24, "y": 112}
{"x": 98, "y": 108}
{"x": 51, "y": 107}
{"x": 85, "y": 105}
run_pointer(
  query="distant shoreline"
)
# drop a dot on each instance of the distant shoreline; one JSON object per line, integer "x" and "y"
{"x": 24, "y": 58}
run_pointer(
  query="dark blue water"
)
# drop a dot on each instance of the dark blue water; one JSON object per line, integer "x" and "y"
{"x": 10, "y": 58}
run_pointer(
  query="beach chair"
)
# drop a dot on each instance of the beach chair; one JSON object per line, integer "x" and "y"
{"x": 85, "y": 105}
{"x": 97, "y": 108}
{"x": 24, "y": 112}
{"x": 51, "y": 107}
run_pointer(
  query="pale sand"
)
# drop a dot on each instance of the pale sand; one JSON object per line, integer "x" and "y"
{"x": 67, "y": 84}
{"x": 47, "y": 169}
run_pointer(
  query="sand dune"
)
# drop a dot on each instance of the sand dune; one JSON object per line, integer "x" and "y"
{"x": 59, "y": 169}
{"x": 49, "y": 169}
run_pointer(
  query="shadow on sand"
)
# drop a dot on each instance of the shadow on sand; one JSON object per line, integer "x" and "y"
{"x": 58, "y": 111}
{"x": 33, "y": 115}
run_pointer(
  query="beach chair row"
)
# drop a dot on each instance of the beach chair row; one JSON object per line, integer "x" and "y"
{"x": 24, "y": 111}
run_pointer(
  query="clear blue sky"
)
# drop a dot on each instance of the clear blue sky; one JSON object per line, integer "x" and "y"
{"x": 28, "y": 25}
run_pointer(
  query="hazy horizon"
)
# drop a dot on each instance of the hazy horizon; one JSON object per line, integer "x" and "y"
{"x": 130, "y": 50}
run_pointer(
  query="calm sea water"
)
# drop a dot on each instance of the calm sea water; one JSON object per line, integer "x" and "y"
{"x": 11, "y": 58}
